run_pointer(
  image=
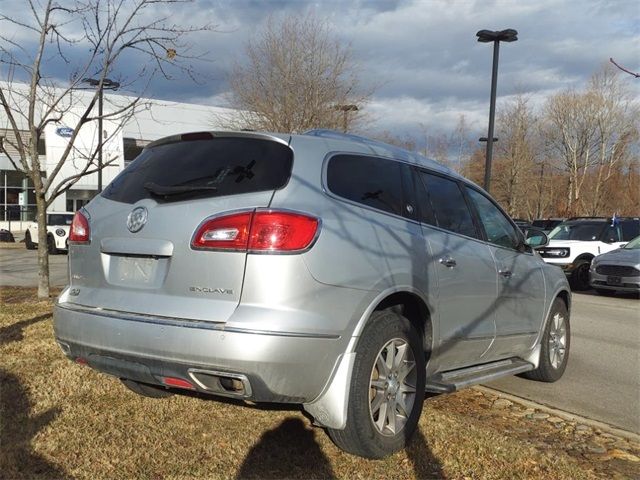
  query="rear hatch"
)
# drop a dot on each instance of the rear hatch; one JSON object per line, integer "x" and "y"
{"x": 139, "y": 258}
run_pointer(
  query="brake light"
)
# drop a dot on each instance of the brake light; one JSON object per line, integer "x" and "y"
{"x": 79, "y": 231}
{"x": 258, "y": 231}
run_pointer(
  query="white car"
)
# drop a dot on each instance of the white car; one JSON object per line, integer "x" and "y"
{"x": 58, "y": 224}
{"x": 575, "y": 243}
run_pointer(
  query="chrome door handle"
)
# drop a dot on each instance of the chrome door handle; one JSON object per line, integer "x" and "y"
{"x": 505, "y": 273}
{"x": 448, "y": 262}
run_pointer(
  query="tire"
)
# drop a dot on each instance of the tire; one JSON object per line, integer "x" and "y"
{"x": 51, "y": 245}
{"x": 605, "y": 292}
{"x": 368, "y": 433}
{"x": 556, "y": 342}
{"x": 580, "y": 277}
{"x": 145, "y": 389}
{"x": 28, "y": 242}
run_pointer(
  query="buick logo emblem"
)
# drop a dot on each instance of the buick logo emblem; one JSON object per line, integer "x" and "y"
{"x": 136, "y": 219}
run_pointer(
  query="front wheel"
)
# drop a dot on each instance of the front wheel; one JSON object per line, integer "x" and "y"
{"x": 555, "y": 345}
{"x": 580, "y": 277}
{"x": 387, "y": 388}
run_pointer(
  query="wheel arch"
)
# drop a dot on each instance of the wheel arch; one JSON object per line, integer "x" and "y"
{"x": 565, "y": 296}
{"x": 584, "y": 256}
{"x": 413, "y": 307}
{"x": 330, "y": 408}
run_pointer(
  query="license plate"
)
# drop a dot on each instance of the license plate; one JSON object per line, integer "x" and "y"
{"x": 135, "y": 270}
{"x": 611, "y": 280}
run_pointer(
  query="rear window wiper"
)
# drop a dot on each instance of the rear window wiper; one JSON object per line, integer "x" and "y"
{"x": 167, "y": 190}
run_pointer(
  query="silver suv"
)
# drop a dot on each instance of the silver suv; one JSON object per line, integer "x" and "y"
{"x": 323, "y": 269}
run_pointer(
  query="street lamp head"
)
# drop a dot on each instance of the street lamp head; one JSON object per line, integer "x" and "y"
{"x": 106, "y": 83}
{"x": 508, "y": 35}
{"x": 91, "y": 81}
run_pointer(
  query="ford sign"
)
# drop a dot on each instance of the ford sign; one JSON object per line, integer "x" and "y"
{"x": 64, "y": 131}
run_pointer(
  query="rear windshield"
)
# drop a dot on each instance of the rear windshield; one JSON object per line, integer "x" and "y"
{"x": 203, "y": 168}
{"x": 59, "y": 219}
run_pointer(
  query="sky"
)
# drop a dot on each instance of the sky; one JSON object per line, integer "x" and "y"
{"x": 421, "y": 54}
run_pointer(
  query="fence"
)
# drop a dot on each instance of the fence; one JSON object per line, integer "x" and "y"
{"x": 16, "y": 217}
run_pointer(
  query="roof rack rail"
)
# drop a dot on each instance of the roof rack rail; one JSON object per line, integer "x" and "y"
{"x": 603, "y": 218}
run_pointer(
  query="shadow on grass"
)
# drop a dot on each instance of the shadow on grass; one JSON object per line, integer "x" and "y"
{"x": 425, "y": 464}
{"x": 288, "y": 451}
{"x": 17, "y": 429}
{"x": 14, "y": 332}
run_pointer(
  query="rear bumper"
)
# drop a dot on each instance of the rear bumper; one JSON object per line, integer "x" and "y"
{"x": 278, "y": 367}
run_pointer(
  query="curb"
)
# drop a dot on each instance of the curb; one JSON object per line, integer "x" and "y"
{"x": 562, "y": 414}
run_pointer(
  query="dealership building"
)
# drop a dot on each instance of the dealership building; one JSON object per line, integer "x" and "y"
{"x": 151, "y": 120}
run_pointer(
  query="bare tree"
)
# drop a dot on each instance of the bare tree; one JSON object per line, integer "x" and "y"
{"x": 590, "y": 131}
{"x": 616, "y": 128}
{"x": 516, "y": 154}
{"x": 110, "y": 31}
{"x": 297, "y": 77}
{"x": 460, "y": 144}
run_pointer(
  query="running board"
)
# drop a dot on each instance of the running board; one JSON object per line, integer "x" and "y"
{"x": 453, "y": 380}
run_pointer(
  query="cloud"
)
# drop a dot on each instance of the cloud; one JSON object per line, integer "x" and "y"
{"x": 422, "y": 54}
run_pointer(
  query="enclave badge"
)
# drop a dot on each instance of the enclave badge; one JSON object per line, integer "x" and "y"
{"x": 136, "y": 219}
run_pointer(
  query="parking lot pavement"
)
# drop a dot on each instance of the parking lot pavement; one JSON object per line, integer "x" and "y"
{"x": 19, "y": 268}
{"x": 602, "y": 380}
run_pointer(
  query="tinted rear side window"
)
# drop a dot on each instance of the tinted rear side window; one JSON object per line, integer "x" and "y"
{"x": 630, "y": 229}
{"x": 372, "y": 181}
{"x": 221, "y": 166}
{"x": 448, "y": 204}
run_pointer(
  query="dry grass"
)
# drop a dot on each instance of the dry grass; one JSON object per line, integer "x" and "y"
{"x": 61, "y": 420}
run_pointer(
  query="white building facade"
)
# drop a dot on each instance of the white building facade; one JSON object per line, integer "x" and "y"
{"x": 152, "y": 119}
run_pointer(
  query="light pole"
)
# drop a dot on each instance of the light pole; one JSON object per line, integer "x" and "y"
{"x": 345, "y": 109}
{"x": 486, "y": 36}
{"x": 109, "y": 85}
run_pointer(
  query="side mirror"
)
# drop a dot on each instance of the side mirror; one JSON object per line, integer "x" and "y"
{"x": 535, "y": 238}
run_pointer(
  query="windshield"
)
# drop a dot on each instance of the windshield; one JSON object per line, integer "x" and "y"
{"x": 60, "y": 219}
{"x": 633, "y": 244}
{"x": 577, "y": 231}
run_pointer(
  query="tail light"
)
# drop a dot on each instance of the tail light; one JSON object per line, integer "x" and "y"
{"x": 79, "y": 231}
{"x": 258, "y": 231}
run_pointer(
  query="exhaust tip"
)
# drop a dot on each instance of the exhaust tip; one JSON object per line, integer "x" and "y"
{"x": 223, "y": 383}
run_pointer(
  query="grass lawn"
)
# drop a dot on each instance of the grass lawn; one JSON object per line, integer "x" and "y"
{"x": 62, "y": 420}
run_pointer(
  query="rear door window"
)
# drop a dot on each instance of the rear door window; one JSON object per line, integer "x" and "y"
{"x": 203, "y": 168}
{"x": 371, "y": 181}
{"x": 449, "y": 209}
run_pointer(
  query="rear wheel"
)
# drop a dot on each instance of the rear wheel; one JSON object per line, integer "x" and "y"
{"x": 580, "y": 277}
{"x": 51, "y": 245}
{"x": 387, "y": 388}
{"x": 28, "y": 242}
{"x": 145, "y": 389}
{"x": 555, "y": 345}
